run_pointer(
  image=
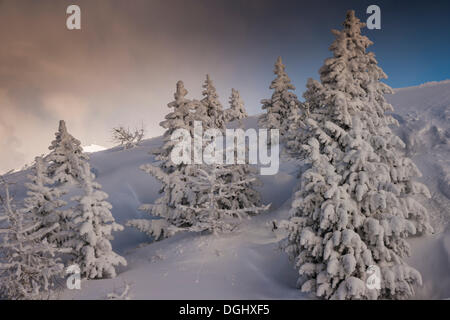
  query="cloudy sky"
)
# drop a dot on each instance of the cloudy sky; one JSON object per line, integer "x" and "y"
{"x": 121, "y": 68}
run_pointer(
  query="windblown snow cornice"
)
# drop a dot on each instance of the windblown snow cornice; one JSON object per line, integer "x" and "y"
{"x": 424, "y": 85}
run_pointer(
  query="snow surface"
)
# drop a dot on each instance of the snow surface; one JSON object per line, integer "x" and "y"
{"x": 424, "y": 115}
{"x": 93, "y": 148}
{"x": 248, "y": 264}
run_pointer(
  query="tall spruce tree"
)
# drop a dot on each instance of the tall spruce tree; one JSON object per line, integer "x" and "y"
{"x": 357, "y": 203}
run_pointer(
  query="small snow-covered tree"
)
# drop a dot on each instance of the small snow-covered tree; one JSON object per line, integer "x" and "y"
{"x": 241, "y": 182}
{"x": 28, "y": 267}
{"x": 208, "y": 216}
{"x": 237, "y": 109}
{"x": 357, "y": 202}
{"x": 297, "y": 133}
{"x": 221, "y": 204}
{"x": 283, "y": 104}
{"x": 93, "y": 224}
{"x": 127, "y": 138}
{"x": 66, "y": 157}
{"x": 213, "y": 106}
{"x": 241, "y": 179}
{"x": 44, "y": 203}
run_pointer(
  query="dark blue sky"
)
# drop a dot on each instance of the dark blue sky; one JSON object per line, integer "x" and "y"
{"x": 413, "y": 45}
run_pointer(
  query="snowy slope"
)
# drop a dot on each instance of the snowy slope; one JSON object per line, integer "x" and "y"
{"x": 424, "y": 116}
{"x": 248, "y": 265}
{"x": 93, "y": 148}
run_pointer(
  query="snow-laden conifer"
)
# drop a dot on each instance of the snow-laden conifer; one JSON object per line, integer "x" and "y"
{"x": 93, "y": 223}
{"x": 44, "y": 203}
{"x": 237, "y": 110}
{"x": 221, "y": 203}
{"x": 283, "y": 105}
{"x": 66, "y": 157}
{"x": 358, "y": 202}
{"x": 213, "y": 106}
{"x": 28, "y": 266}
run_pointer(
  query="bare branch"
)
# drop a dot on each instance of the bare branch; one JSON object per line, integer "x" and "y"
{"x": 127, "y": 138}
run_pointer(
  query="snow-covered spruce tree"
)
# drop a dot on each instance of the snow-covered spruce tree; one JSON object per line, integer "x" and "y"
{"x": 171, "y": 175}
{"x": 44, "y": 204}
{"x": 65, "y": 163}
{"x": 208, "y": 217}
{"x": 66, "y": 157}
{"x": 356, "y": 206}
{"x": 221, "y": 205}
{"x": 213, "y": 106}
{"x": 237, "y": 109}
{"x": 240, "y": 182}
{"x": 283, "y": 104}
{"x": 297, "y": 133}
{"x": 28, "y": 267}
{"x": 93, "y": 224}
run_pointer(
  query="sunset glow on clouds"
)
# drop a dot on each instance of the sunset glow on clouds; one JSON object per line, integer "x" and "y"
{"x": 121, "y": 68}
